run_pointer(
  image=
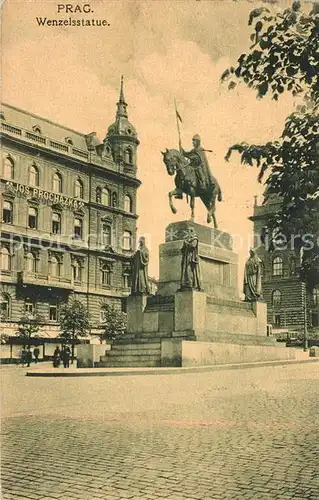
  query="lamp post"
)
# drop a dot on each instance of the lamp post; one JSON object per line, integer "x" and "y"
{"x": 305, "y": 328}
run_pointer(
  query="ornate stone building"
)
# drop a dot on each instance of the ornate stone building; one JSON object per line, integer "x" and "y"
{"x": 283, "y": 290}
{"x": 68, "y": 215}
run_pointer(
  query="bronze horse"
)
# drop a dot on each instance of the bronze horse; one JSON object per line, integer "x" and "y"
{"x": 186, "y": 182}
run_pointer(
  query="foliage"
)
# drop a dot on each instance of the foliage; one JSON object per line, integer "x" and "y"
{"x": 74, "y": 321}
{"x": 114, "y": 323}
{"x": 285, "y": 57}
{"x": 28, "y": 327}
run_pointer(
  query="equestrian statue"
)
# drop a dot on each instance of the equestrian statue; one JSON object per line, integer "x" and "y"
{"x": 192, "y": 177}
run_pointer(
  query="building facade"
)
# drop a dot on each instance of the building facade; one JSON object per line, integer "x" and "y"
{"x": 288, "y": 301}
{"x": 68, "y": 216}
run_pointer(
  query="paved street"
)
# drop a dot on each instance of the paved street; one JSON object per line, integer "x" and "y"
{"x": 236, "y": 434}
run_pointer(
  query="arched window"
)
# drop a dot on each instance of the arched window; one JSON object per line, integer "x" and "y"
{"x": 77, "y": 228}
{"x": 128, "y": 205}
{"x": 128, "y": 156}
{"x": 106, "y": 197}
{"x": 56, "y": 223}
{"x": 277, "y": 266}
{"x": 127, "y": 240}
{"x": 107, "y": 235}
{"x": 5, "y": 259}
{"x": 55, "y": 267}
{"x": 5, "y": 307}
{"x": 77, "y": 271}
{"x": 33, "y": 175}
{"x": 114, "y": 200}
{"x": 32, "y": 218}
{"x": 8, "y": 168}
{"x": 31, "y": 263}
{"x": 78, "y": 189}
{"x": 106, "y": 275}
{"x": 57, "y": 183}
{"x": 276, "y": 298}
{"x": 98, "y": 195}
{"x": 7, "y": 212}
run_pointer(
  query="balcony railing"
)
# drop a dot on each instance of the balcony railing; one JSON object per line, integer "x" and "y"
{"x": 33, "y": 137}
{"x": 37, "y": 279}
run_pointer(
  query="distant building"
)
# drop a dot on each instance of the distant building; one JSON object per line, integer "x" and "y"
{"x": 283, "y": 290}
{"x": 68, "y": 216}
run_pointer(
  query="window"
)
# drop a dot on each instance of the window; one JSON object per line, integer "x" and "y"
{"x": 315, "y": 297}
{"x": 7, "y": 212}
{"x": 57, "y": 183}
{"x": 127, "y": 278}
{"x": 5, "y": 259}
{"x": 128, "y": 206}
{"x": 315, "y": 319}
{"x": 102, "y": 316}
{"x": 55, "y": 267}
{"x": 32, "y": 218}
{"x": 292, "y": 266}
{"x": 5, "y": 307}
{"x": 56, "y": 223}
{"x": 31, "y": 263}
{"x": 33, "y": 176}
{"x": 77, "y": 271}
{"x": 277, "y": 320}
{"x": 128, "y": 156}
{"x": 54, "y": 312}
{"x": 276, "y": 298}
{"x": 114, "y": 200}
{"x": 106, "y": 197}
{"x": 78, "y": 189}
{"x": 29, "y": 308}
{"x": 78, "y": 228}
{"x": 107, "y": 235}
{"x": 277, "y": 266}
{"x": 98, "y": 196}
{"x": 127, "y": 243}
{"x": 106, "y": 274}
{"x": 8, "y": 168}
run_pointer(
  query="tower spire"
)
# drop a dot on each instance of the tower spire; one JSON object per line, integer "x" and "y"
{"x": 121, "y": 104}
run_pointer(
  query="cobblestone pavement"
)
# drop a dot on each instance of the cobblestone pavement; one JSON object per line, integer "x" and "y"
{"x": 237, "y": 434}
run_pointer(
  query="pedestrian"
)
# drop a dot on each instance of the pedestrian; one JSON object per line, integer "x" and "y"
{"x": 28, "y": 356}
{"x": 36, "y": 353}
{"x": 66, "y": 357}
{"x": 57, "y": 357}
{"x": 23, "y": 355}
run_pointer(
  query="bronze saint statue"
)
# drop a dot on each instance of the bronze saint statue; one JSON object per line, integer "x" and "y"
{"x": 190, "y": 270}
{"x": 193, "y": 178}
{"x": 139, "y": 268}
{"x": 252, "y": 278}
{"x": 199, "y": 162}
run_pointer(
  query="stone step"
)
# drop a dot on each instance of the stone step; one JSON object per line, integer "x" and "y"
{"x": 134, "y": 352}
{"x": 128, "y": 359}
{"x": 113, "y": 363}
{"x": 136, "y": 347}
{"x": 137, "y": 340}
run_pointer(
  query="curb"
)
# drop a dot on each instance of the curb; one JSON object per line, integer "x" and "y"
{"x": 118, "y": 372}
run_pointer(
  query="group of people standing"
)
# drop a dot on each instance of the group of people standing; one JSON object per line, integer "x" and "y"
{"x": 27, "y": 356}
{"x": 62, "y": 355}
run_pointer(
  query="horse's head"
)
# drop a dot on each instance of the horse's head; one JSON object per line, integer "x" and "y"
{"x": 171, "y": 158}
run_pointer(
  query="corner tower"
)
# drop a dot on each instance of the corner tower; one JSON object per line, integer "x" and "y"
{"x": 122, "y": 136}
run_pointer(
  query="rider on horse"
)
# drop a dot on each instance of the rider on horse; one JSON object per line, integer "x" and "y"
{"x": 199, "y": 162}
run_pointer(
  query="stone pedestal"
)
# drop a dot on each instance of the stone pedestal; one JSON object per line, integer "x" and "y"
{"x": 218, "y": 262}
{"x": 190, "y": 312}
{"x": 135, "y": 311}
{"x": 260, "y": 311}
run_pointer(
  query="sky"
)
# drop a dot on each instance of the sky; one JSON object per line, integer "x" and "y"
{"x": 166, "y": 50}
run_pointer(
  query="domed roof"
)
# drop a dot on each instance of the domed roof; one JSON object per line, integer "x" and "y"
{"x": 121, "y": 126}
